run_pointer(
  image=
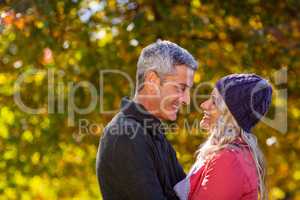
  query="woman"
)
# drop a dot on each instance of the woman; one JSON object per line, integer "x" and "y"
{"x": 229, "y": 164}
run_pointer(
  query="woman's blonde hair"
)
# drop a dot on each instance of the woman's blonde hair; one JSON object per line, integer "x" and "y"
{"x": 222, "y": 135}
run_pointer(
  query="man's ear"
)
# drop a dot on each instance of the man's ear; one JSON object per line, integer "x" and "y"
{"x": 152, "y": 77}
{"x": 152, "y": 80}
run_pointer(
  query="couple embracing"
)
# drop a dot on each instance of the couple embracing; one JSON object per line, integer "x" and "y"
{"x": 135, "y": 161}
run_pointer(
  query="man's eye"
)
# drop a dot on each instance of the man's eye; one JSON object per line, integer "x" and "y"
{"x": 180, "y": 89}
{"x": 183, "y": 89}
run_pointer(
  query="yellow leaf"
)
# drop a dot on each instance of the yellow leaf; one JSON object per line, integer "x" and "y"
{"x": 277, "y": 193}
{"x": 7, "y": 115}
{"x": 27, "y": 136}
{"x": 197, "y": 78}
{"x": 296, "y": 175}
{"x": 35, "y": 158}
{"x": 196, "y": 3}
{"x": 10, "y": 154}
{"x": 3, "y": 130}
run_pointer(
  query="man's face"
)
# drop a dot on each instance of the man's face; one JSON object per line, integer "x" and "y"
{"x": 174, "y": 92}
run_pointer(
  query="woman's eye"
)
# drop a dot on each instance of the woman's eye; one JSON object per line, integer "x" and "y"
{"x": 213, "y": 101}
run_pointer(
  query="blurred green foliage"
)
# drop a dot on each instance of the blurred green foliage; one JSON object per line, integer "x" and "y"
{"x": 43, "y": 157}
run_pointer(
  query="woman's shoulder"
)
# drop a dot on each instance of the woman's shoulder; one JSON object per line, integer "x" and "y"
{"x": 230, "y": 153}
{"x": 236, "y": 159}
{"x": 238, "y": 149}
{"x": 233, "y": 156}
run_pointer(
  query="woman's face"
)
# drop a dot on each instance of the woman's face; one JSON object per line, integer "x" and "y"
{"x": 211, "y": 112}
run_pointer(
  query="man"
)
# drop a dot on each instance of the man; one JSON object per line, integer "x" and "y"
{"x": 134, "y": 160}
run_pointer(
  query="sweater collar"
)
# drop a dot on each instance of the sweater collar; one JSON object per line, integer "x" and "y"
{"x": 138, "y": 112}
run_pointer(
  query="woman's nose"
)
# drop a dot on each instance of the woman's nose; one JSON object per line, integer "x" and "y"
{"x": 204, "y": 105}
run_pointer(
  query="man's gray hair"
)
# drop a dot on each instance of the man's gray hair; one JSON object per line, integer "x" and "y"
{"x": 161, "y": 57}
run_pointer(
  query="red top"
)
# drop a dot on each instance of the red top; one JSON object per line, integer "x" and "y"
{"x": 229, "y": 175}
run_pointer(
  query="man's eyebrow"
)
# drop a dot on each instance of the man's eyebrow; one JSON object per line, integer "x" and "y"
{"x": 185, "y": 85}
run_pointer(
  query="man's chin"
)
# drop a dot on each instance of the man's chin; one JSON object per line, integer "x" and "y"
{"x": 171, "y": 117}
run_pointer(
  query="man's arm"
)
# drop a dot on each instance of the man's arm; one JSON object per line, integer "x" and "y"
{"x": 180, "y": 174}
{"x": 134, "y": 168}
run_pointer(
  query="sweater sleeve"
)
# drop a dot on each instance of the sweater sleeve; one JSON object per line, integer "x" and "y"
{"x": 223, "y": 179}
{"x": 134, "y": 168}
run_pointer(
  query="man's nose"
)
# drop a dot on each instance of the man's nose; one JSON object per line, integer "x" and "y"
{"x": 186, "y": 98}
